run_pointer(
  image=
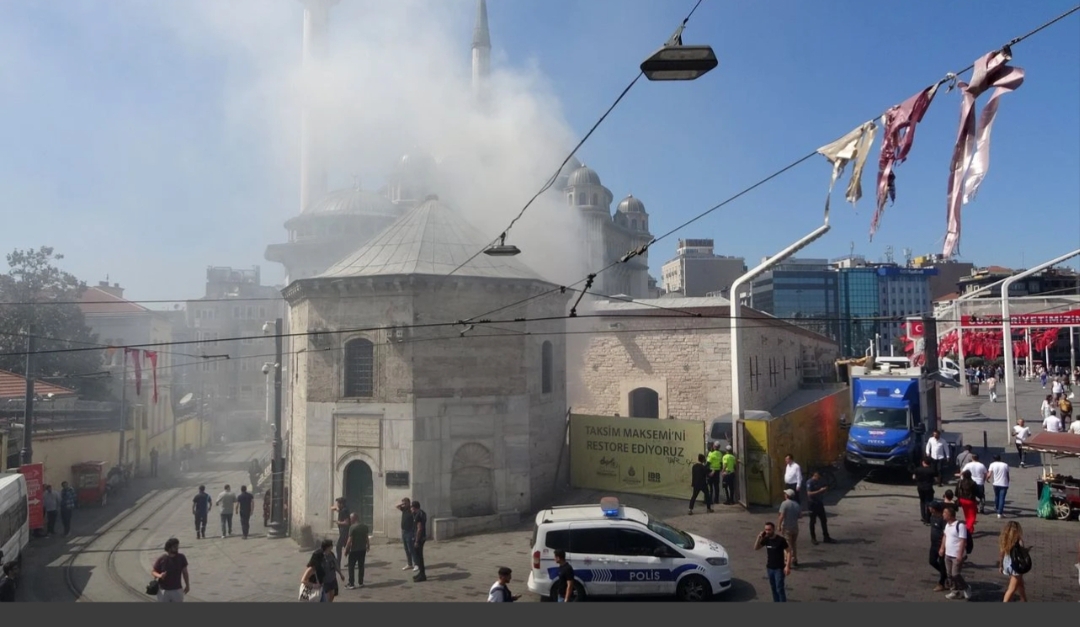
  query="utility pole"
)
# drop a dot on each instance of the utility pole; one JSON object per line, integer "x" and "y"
{"x": 28, "y": 419}
{"x": 277, "y": 470}
{"x": 122, "y": 427}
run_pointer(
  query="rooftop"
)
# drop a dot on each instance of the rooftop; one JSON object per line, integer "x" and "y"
{"x": 14, "y": 386}
{"x": 96, "y": 301}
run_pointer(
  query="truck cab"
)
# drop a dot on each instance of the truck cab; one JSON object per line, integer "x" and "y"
{"x": 887, "y": 429}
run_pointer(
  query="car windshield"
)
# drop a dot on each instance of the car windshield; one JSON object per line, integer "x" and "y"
{"x": 880, "y": 418}
{"x": 675, "y": 536}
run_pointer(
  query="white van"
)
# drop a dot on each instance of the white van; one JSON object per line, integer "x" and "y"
{"x": 14, "y": 516}
{"x": 622, "y": 551}
{"x": 946, "y": 366}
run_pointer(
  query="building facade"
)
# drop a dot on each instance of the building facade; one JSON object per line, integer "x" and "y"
{"x": 696, "y": 271}
{"x": 902, "y": 292}
{"x": 949, "y": 273}
{"x": 859, "y": 309}
{"x": 804, "y": 292}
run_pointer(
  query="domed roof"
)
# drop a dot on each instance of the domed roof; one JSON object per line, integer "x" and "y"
{"x": 631, "y": 205}
{"x": 584, "y": 176}
{"x": 352, "y": 201}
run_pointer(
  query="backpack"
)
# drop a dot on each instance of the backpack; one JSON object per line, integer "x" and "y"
{"x": 1021, "y": 559}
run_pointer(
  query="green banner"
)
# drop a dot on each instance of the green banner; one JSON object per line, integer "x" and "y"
{"x": 634, "y": 455}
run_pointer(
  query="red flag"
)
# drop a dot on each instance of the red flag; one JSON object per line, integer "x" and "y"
{"x": 136, "y": 359}
{"x": 151, "y": 356}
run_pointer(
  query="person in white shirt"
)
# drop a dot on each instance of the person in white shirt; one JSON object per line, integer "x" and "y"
{"x": 936, "y": 450}
{"x": 500, "y": 591}
{"x": 991, "y": 386}
{"x": 1057, "y": 388}
{"x": 1075, "y": 427}
{"x": 999, "y": 478}
{"x": 1053, "y": 424}
{"x": 953, "y": 549}
{"x": 1020, "y": 435}
{"x": 1047, "y": 408}
{"x": 978, "y": 475}
{"x": 793, "y": 479}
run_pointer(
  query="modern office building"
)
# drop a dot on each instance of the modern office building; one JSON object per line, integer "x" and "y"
{"x": 902, "y": 292}
{"x": 949, "y": 274}
{"x": 696, "y": 271}
{"x": 860, "y": 312}
{"x": 804, "y": 292}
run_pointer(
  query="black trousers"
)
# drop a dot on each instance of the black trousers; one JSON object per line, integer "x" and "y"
{"x": 939, "y": 466}
{"x": 708, "y": 498}
{"x": 50, "y": 521}
{"x": 729, "y": 487}
{"x": 1020, "y": 452}
{"x": 65, "y": 519}
{"x": 226, "y": 524}
{"x": 938, "y": 562}
{"x": 356, "y": 561}
{"x": 342, "y": 540}
{"x": 926, "y": 497}
{"x": 200, "y": 523}
{"x": 245, "y": 523}
{"x": 817, "y": 511}
{"x": 418, "y": 559}
{"x": 714, "y": 486}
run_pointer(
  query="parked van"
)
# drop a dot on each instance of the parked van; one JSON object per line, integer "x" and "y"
{"x": 622, "y": 551}
{"x": 14, "y": 516}
{"x": 946, "y": 366}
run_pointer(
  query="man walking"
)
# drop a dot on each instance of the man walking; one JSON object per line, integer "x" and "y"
{"x": 991, "y": 386}
{"x": 564, "y": 585}
{"x": 1021, "y": 433}
{"x": 937, "y": 451}
{"x": 953, "y": 549}
{"x": 729, "y": 463}
{"x": 815, "y": 488}
{"x": 356, "y": 547}
{"x": 500, "y": 591}
{"x": 420, "y": 519}
{"x": 937, "y": 533}
{"x": 245, "y": 505}
{"x": 408, "y": 532}
{"x": 778, "y": 560}
{"x": 699, "y": 483}
{"x": 200, "y": 507}
{"x": 715, "y": 464}
{"x": 227, "y": 502}
{"x": 171, "y": 571}
{"x": 343, "y": 516}
{"x": 999, "y": 478}
{"x": 68, "y": 502}
{"x": 793, "y": 479}
{"x": 153, "y": 462}
{"x": 924, "y": 477}
{"x": 788, "y": 523}
{"x": 51, "y": 501}
{"x": 978, "y": 475}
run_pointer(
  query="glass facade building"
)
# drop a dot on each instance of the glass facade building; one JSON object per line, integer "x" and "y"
{"x": 807, "y": 297}
{"x": 859, "y": 310}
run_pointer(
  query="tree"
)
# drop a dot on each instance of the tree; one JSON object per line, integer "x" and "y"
{"x": 38, "y": 298}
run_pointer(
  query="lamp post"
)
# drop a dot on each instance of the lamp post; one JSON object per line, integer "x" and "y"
{"x": 277, "y": 470}
{"x": 958, "y": 316}
{"x": 677, "y": 62}
{"x": 734, "y": 314}
{"x": 27, "y": 453}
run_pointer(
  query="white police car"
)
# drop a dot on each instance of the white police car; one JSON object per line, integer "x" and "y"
{"x": 617, "y": 551}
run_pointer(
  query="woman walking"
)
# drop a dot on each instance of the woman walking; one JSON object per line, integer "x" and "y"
{"x": 967, "y": 493}
{"x": 1012, "y": 537}
{"x": 317, "y": 575}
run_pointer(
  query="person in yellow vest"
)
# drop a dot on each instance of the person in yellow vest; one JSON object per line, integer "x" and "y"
{"x": 714, "y": 463}
{"x": 728, "y": 464}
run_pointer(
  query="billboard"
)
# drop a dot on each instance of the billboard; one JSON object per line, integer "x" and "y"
{"x": 1060, "y": 319}
{"x": 635, "y": 455}
{"x": 35, "y": 489}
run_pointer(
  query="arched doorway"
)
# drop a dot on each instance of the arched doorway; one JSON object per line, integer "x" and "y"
{"x": 644, "y": 403}
{"x": 472, "y": 482}
{"x": 360, "y": 492}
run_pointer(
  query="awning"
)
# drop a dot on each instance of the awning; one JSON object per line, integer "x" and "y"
{"x": 1055, "y": 443}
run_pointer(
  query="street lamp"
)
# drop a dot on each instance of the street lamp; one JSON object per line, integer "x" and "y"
{"x": 677, "y": 62}
{"x": 502, "y": 249}
{"x": 277, "y": 470}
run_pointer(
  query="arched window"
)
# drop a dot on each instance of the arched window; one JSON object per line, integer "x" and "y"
{"x": 644, "y": 403}
{"x": 581, "y": 199}
{"x": 359, "y": 369}
{"x": 547, "y": 367}
{"x": 596, "y": 200}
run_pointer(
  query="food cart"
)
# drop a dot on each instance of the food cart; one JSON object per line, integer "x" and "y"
{"x": 1064, "y": 489}
{"x": 90, "y": 482}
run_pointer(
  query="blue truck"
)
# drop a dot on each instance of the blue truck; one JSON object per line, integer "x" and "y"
{"x": 895, "y": 411}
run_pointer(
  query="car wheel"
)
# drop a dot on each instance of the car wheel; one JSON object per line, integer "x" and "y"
{"x": 694, "y": 588}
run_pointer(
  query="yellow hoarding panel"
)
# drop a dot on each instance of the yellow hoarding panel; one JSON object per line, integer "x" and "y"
{"x": 634, "y": 455}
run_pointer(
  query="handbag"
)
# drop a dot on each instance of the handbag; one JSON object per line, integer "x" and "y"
{"x": 311, "y": 593}
{"x": 153, "y": 587}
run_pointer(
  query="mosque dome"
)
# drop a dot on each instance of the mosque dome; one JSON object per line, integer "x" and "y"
{"x": 631, "y": 205}
{"x": 584, "y": 176}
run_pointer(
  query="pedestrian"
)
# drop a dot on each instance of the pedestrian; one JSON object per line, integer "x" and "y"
{"x": 153, "y": 462}
{"x": 999, "y": 479}
{"x": 316, "y": 573}
{"x": 171, "y": 572}
{"x": 715, "y": 462}
{"x": 937, "y": 533}
{"x": 937, "y": 451}
{"x": 1074, "y": 428}
{"x": 699, "y": 483}
{"x": 778, "y": 560}
{"x": 500, "y": 591}
{"x": 333, "y": 576}
{"x": 245, "y": 504}
{"x": 200, "y": 507}
{"x": 1013, "y": 559}
{"x": 788, "y": 523}
{"x": 9, "y": 583}
{"x": 420, "y": 520}
{"x": 924, "y": 477}
{"x": 966, "y": 494}
{"x": 954, "y": 550}
{"x": 1057, "y": 388}
{"x": 267, "y": 502}
{"x": 357, "y": 546}
{"x": 68, "y": 502}
{"x": 51, "y": 502}
{"x": 978, "y": 475}
{"x": 729, "y": 463}
{"x": 1065, "y": 408}
{"x": 793, "y": 478}
{"x": 1020, "y": 436}
{"x": 408, "y": 532}
{"x": 227, "y": 502}
{"x": 340, "y": 506}
{"x": 1052, "y": 423}
{"x": 815, "y": 488}
{"x": 1047, "y": 408}
{"x": 964, "y": 458}
{"x": 565, "y": 585}
{"x": 991, "y": 386}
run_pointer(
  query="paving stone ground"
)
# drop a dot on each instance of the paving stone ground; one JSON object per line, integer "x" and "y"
{"x": 881, "y": 555}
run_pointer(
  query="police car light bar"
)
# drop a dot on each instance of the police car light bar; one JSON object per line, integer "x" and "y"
{"x": 609, "y": 505}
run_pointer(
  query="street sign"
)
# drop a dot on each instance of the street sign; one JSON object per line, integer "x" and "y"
{"x": 35, "y": 488}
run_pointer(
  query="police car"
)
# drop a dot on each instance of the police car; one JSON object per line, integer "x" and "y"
{"x": 618, "y": 551}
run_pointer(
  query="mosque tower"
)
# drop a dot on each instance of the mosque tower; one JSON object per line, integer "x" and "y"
{"x": 481, "y": 54}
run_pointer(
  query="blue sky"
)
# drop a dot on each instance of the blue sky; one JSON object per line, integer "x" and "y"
{"x": 117, "y": 148}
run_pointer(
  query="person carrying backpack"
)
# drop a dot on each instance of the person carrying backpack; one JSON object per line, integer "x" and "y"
{"x": 1014, "y": 559}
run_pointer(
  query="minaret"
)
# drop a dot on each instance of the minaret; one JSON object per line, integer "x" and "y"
{"x": 481, "y": 53}
{"x": 313, "y": 168}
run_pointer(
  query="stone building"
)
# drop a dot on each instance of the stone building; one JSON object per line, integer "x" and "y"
{"x": 391, "y": 399}
{"x": 656, "y": 364}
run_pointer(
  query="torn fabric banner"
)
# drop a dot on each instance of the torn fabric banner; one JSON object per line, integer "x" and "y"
{"x": 855, "y": 146}
{"x": 971, "y": 154}
{"x": 899, "y": 124}
{"x": 151, "y": 356}
{"x": 136, "y": 360}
